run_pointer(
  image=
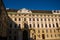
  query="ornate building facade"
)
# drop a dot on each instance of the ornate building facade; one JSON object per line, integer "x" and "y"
{"x": 33, "y": 24}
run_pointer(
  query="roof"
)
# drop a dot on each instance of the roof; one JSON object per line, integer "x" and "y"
{"x": 33, "y": 11}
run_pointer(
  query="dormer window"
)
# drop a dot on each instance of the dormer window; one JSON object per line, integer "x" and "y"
{"x": 24, "y": 10}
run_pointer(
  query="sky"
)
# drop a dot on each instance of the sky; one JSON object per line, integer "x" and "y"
{"x": 33, "y": 4}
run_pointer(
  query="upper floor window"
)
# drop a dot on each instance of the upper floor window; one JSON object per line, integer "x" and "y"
{"x": 24, "y": 19}
{"x": 15, "y": 25}
{"x": 33, "y": 25}
{"x": 10, "y": 25}
{"x": 38, "y": 31}
{"x": 19, "y": 26}
{"x": 30, "y": 25}
{"x": 53, "y": 25}
{"x": 41, "y": 19}
{"x": 37, "y": 19}
{"x": 42, "y": 25}
{"x": 38, "y": 25}
{"x": 33, "y": 19}
{"x": 46, "y": 31}
{"x": 45, "y": 25}
{"x": 42, "y": 31}
{"x": 57, "y": 25}
{"x": 19, "y": 19}
{"x": 29, "y": 19}
{"x": 49, "y": 25}
{"x": 15, "y": 19}
{"x": 48, "y": 19}
{"x": 44, "y": 19}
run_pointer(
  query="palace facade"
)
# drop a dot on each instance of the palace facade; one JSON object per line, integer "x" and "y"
{"x": 25, "y": 24}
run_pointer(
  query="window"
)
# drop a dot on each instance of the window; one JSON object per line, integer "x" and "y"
{"x": 48, "y": 19}
{"x": 33, "y": 19}
{"x": 44, "y": 19}
{"x": 56, "y": 24}
{"x": 42, "y": 31}
{"x": 56, "y": 19}
{"x": 52, "y": 19}
{"x": 50, "y": 31}
{"x": 41, "y": 19}
{"x": 33, "y": 25}
{"x": 46, "y": 30}
{"x": 38, "y": 25}
{"x": 51, "y": 35}
{"x": 53, "y": 25}
{"x": 30, "y": 25}
{"x": 55, "y": 35}
{"x": 19, "y": 19}
{"x": 39, "y": 36}
{"x": 38, "y": 31}
{"x": 42, "y": 25}
{"x": 45, "y": 25}
{"x": 49, "y": 25}
{"x": 29, "y": 19}
{"x": 24, "y": 19}
{"x": 19, "y": 26}
{"x": 15, "y": 19}
{"x": 59, "y": 35}
{"x": 37, "y": 19}
{"x": 10, "y": 25}
{"x": 47, "y": 35}
{"x": 15, "y": 25}
{"x": 54, "y": 30}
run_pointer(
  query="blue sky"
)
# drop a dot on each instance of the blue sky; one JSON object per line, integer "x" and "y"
{"x": 33, "y": 4}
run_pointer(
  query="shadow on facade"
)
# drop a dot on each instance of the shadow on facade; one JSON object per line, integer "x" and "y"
{"x": 11, "y": 30}
{"x": 14, "y": 31}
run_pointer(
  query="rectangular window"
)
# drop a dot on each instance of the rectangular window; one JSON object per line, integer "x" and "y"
{"x": 53, "y": 25}
{"x": 48, "y": 19}
{"x": 38, "y": 31}
{"x": 56, "y": 19}
{"x": 41, "y": 19}
{"x": 24, "y": 19}
{"x": 33, "y": 19}
{"x": 30, "y": 25}
{"x": 51, "y": 35}
{"x": 44, "y": 19}
{"x": 19, "y": 26}
{"x": 38, "y": 25}
{"x": 42, "y": 31}
{"x": 57, "y": 25}
{"x": 19, "y": 19}
{"x": 37, "y": 19}
{"x": 49, "y": 25}
{"x": 47, "y": 36}
{"x": 33, "y": 25}
{"x": 46, "y": 30}
{"x": 46, "y": 25}
{"x": 54, "y": 30}
{"x": 15, "y": 19}
{"x": 52, "y": 19}
{"x": 50, "y": 31}
{"x": 42, "y": 25}
{"x": 15, "y": 25}
{"x": 29, "y": 19}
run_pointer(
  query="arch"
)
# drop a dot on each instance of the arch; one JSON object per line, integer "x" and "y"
{"x": 25, "y": 35}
